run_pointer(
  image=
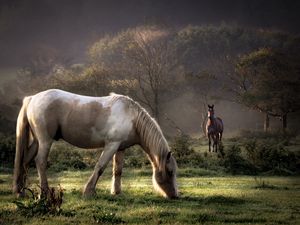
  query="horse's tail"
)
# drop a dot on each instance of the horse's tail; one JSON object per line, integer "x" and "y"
{"x": 220, "y": 124}
{"x": 220, "y": 127}
{"x": 204, "y": 122}
{"x": 22, "y": 137}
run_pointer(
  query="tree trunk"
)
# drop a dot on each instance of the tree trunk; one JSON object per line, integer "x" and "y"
{"x": 284, "y": 122}
{"x": 156, "y": 110}
{"x": 266, "y": 122}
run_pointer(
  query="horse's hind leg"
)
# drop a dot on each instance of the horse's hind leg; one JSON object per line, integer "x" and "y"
{"x": 28, "y": 156}
{"x": 215, "y": 139}
{"x": 109, "y": 150}
{"x": 209, "y": 142}
{"x": 32, "y": 151}
{"x": 118, "y": 162}
{"x": 41, "y": 164}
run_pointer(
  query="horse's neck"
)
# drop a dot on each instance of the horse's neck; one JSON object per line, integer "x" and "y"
{"x": 154, "y": 156}
{"x": 212, "y": 118}
{"x": 151, "y": 138}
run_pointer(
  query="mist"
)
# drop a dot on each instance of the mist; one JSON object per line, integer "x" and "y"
{"x": 69, "y": 28}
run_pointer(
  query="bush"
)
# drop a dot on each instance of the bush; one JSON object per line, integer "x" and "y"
{"x": 7, "y": 150}
{"x": 235, "y": 163}
{"x": 91, "y": 156}
{"x": 63, "y": 158}
{"x": 49, "y": 203}
{"x": 181, "y": 146}
{"x": 135, "y": 157}
{"x": 271, "y": 157}
{"x": 184, "y": 153}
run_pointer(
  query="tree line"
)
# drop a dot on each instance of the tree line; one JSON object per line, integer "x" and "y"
{"x": 154, "y": 64}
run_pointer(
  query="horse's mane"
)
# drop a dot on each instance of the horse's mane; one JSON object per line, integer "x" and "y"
{"x": 150, "y": 134}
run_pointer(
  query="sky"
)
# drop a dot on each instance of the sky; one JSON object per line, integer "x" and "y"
{"x": 72, "y": 25}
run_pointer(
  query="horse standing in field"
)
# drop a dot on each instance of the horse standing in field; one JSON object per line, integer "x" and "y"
{"x": 114, "y": 122}
{"x": 214, "y": 129}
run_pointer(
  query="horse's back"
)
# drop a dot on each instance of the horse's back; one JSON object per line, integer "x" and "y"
{"x": 83, "y": 121}
{"x": 220, "y": 124}
{"x": 214, "y": 126}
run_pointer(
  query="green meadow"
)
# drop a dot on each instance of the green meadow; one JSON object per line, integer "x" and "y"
{"x": 205, "y": 199}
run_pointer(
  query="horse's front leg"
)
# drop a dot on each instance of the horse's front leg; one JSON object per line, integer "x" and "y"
{"x": 118, "y": 162}
{"x": 109, "y": 150}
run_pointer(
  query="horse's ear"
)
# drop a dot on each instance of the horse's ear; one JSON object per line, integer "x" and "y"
{"x": 169, "y": 156}
{"x": 213, "y": 106}
{"x": 208, "y": 106}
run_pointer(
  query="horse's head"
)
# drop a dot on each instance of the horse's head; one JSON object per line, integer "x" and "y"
{"x": 164, "y": 180}
{"x": 210, "y": 112}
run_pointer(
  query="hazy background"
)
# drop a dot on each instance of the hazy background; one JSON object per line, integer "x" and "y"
{"x": 71, "y": 27}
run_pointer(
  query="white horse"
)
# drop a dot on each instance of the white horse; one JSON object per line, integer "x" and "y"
{"x": 114, "y": 122}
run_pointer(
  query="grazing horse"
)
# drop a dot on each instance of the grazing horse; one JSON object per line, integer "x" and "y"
{"x": 114, "y": 122}
{"x": 214, "y": 129}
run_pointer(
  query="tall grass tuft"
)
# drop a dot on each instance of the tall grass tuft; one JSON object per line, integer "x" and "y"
{"x": 48, "y": 203}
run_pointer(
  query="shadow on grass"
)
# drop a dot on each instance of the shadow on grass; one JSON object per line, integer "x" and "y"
{"x": 150, "y": 198}
{"x": 5, "y": 192}
{"x": 220, "y": 199}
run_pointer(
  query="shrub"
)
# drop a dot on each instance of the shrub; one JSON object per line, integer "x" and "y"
{"x": 184, "y": 153}
{"x": 91, "y": 156}
{"x": 7, "y": 150}
{"x": 135, "y": 157}
{"x": 181, "y": 146}
{"x": 235, "y": 163}
{"x": 63, "y": 158}
{"x": 278, "y": 159}
{"x": 252, "y": 152}
{"x": 271, "y": 156}
{"x": 49, "y": 203}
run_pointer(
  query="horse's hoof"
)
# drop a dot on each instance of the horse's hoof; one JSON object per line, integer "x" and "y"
{"x": 89, "y": 193}
{"x": 21, "y": 194}
{"x": 114, "y": 192}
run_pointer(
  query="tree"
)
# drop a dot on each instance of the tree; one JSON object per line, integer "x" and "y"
{"x": 145, "y": 57}
{"x": 208, "y": 54}
{"x": 268, "y": 80}
{"x": 41, "y": 66}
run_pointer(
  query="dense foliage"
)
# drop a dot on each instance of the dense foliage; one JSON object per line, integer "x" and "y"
{"x": 250, "y": 153}
{"x": 268, "y": 81}
{"x": 7, "y": 150}
{"x": 155, "y": 64}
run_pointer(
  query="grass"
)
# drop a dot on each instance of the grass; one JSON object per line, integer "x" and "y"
{"x": 204, "y": 200}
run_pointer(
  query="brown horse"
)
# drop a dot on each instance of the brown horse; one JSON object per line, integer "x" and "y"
{"x": 114, "y": 122}
{"x": 214, "y": 129}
